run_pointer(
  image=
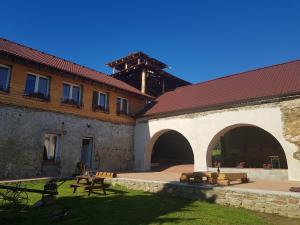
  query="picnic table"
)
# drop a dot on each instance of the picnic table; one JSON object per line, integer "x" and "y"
{"x": 226, "y": 178}
{"x": 197, "y": 177}
{"x": 91, "y": 183}
{"x": 214, "y": 178}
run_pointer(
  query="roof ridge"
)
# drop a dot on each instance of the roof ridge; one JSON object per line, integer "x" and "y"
{"x": 54, "y": 56}
{"x": 237, "y": 74}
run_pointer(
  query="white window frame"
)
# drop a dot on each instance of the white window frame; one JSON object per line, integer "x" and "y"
{"x": 57, "y": 151}
{"x": 9, "y": 74}
{"x": 71, "y": 90}
{"x": 37, "y": 82}
{"x": 99, "y": 93}
{"x": 127, "y": 110}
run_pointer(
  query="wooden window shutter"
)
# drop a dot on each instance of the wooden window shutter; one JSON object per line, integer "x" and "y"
{"x": 81, "y": 95}
{"x": 95, "y": 98}
{"x": 107, "y": 102}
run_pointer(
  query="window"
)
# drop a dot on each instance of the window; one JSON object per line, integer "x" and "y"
{"x": 4, "y": 77}
{"x": 100, "y": 101}
{"x": 122, "y": 106}
{"x": 71, "y": 94}
{"x": 51, "y": 147}
{"x": 37, "y": 86}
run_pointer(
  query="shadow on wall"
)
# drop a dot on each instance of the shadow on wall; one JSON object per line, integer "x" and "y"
{"x": 141, "y": 150}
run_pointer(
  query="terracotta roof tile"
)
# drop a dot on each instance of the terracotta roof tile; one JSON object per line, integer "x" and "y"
{"x": 22, "y": 51}
{"x": 277, "y": 80}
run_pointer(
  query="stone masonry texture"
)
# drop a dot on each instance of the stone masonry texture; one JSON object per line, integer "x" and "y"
{"x": 291, "y": 118}
{"x": 272, "y": 202}
{"x": 22, "y": 134}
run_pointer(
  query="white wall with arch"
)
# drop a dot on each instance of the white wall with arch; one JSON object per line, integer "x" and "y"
{"x": 200, "y": 129}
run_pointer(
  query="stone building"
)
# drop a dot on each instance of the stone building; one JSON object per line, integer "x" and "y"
{"x": 55, "y": 113}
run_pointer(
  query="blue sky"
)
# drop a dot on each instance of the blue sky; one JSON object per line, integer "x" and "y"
{"x": 200, "y": 40}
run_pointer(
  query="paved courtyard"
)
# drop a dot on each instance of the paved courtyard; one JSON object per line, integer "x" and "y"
{"x": 172, "y": 174}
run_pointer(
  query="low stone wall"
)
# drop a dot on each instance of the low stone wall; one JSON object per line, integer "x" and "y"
{"x": 257, "y": 174}
{"x": 273, "y": 202}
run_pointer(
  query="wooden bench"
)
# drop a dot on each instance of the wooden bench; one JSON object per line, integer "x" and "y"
{"x": 295, "y": 189}
{"x": 226, "y": 178}
{"x": 105, "y": 174}
{"x": 197, "y": 177}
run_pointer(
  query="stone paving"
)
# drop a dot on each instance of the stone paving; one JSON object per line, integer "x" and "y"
{"x": 172, "y": 174}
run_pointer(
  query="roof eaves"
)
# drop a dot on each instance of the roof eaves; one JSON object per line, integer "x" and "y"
{"x": 244, "y": 102}
{"x": 78, "y": 75}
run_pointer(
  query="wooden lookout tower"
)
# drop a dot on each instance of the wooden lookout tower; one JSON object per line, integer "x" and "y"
{"x": 145, "y": 73}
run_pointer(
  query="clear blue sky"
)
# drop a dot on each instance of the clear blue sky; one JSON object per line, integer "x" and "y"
{"x": 200, "y": 40}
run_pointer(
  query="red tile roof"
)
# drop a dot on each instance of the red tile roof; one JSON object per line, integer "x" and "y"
{"x": 277, "y": 80}
{"x": 27, "y": 53}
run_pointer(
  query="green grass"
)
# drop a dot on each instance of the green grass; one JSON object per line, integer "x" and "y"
{"x": 121, "y": 206}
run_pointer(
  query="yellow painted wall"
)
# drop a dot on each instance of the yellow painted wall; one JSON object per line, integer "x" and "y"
{"x": 17, "y": 86}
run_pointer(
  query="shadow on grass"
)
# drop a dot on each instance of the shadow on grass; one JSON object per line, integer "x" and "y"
{"x": 119, "y": 206}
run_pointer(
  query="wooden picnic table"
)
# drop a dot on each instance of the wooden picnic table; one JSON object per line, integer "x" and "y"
{"x": 197, "y": 177}
{"x": 213, "y": 178}
{"x": 91, "y": 183}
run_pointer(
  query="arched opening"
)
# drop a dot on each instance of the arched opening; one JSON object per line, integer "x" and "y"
{"x": 172, "y": 150}
{"x": 246, "y": 146}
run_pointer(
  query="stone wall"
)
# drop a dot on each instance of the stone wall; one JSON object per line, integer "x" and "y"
{"x": 273, "y": 202}
{"x": 291, "y": 119}
{"x": 22, "y": 134}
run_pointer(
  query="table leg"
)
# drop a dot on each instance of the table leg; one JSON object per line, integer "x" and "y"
{"x": 103, "y": 187}
{"x": 91, "y": 188}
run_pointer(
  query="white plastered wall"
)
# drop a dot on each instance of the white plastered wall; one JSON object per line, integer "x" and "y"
{"x": 201, "y": 129}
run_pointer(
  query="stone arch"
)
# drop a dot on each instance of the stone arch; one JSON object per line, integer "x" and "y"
{"x": 223, "y": 131}
{"x": 153, "y": 140}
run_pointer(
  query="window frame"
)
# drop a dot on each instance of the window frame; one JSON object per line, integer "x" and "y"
{"x": 36, "y": 86}
{"x": 68, "y": 101}
{"x": 127, "y": 108}
{"x": 6, "y": 89}
{"x": 57, "y": 151}
{"x": 98, "y": 103}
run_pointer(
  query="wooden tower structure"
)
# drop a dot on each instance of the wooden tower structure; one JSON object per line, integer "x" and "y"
{"x": 145, "y": 73}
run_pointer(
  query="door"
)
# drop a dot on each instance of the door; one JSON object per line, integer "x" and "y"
{"x": 86, "y": 152}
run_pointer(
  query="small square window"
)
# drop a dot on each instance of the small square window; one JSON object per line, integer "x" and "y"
{"x": 71, "y": 94}
{"x": 122, "y": 106}
{"x": 119, "y": 104}
{"x": 51, "y": 147}
{"x": 66, "y": 91}
{"x": 100, "y": 101}
{"x": 30, "y": 84}
{"x": 4, "y": 77}
{"x": 37, "y": 86}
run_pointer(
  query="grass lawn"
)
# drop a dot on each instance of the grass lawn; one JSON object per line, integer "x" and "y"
{"x": 121, "y": 206}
